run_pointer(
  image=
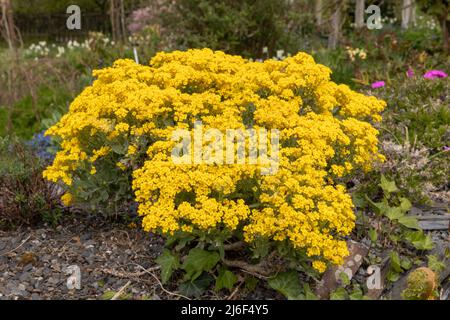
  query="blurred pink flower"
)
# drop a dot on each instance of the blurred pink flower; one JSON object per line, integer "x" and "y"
{"x": 378, "y": 84}
{"x": 434, "y": 74}
{"x": 410, "y": 73}
{"x": 446, "y": 148}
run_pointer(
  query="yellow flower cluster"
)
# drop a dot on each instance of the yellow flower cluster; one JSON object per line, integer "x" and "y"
{"x": 325, "y": 133}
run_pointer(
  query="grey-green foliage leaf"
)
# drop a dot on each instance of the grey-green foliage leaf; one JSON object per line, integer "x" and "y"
{"x": 388, "y": 186}
{"x": 394, "y": 213}
{"x": 419, "y": 240}
{"x": 199, "y": 260}
{"x": 405, "y": 204}
{"x": 409, "y": 222}
{"x": 395, "y": 262}
{"x": 287, "y": 283}
{"x": 168, "y": 263}
{"x": 226, "y": 279}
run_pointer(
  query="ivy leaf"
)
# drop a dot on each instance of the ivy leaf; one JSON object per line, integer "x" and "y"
{"x": 197, "y": 287}
{"x": 168, "y": 263}
{"x": 226, "y": 279}
{"x": 199, "y": 260}
{"x": 287, "y": 283}
{"x": 409, "y": 222}
{"x": 309, "y": 295}
{"x": 387, "y": 186}
{"x": 251, "y": 283}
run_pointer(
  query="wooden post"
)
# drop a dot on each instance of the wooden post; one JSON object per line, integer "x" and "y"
{"x": 407, "y": 13}
{"x": 117, "y": 17}
{"x": 359, "y": 14}
{"x": 333, "y": 39}
{"x": 318, "y": 12}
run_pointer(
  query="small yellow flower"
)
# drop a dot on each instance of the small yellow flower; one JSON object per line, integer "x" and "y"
{"x": 319, "y": 266}
{"x": 67, "y": 199}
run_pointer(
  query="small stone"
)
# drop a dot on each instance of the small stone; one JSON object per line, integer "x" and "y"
{"x": 85, "y": 237}
{"x": 35, "y": 296}
{"x": 24, "y": 277}
{"x": 28, "y": 267}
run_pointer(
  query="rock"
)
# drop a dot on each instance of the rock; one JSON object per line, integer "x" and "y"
{"x": 85, "y": 236}
{"x": 28, "y": 267}
{"x": 24, "y": 277}
{"x": 53, "y": 281}
{"x": 331, "y": 278}
{"x": 35, "y": 296}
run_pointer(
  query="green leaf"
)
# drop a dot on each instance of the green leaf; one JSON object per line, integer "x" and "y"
{"x": 345, "y": 280}
{"x": 359, "y": 200}
{"x": 197, "y": 287}
{"x": 409, "y": 222}
{"x": 199, "y": 260}
{"x": 356, "y": 294}
{"x": 373, "y": 235}
{"x": 251, "y": 283}
{"x": 339, "y": 294}
{"x": 309, "y": 295}
{"x": 382, "y": 206}
{"x": 392, "y": 276}
{"x": 406, "y": 263}
{"x": 405, "y": 204}
{"x": 425, "y": 244}
{"x": 120, "y": 148}
{"x": 395, "y": 262}
{"x": 261, "y": 247}
{"x": 394, "y": 213}
{"x": 107, "y": 295}
{"x": 419, "y": 240}
{"x": 226, "y": 279}
{"x": 287, "y": 283}
{"x": 388, "y": 186}
{"x": 435, "y": 264}
{"x": 168, "y": 263}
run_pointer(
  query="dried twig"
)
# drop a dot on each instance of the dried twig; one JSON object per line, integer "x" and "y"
{"x": 259, "y": 270}
{"x": 160, "y": 284}
{"x": 119, "y": 293}
{"x": 23, "y": 242}
{"x": 234, "y": 291}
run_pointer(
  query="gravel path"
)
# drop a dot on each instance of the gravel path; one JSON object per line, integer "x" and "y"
{"x": 34, "y": 262}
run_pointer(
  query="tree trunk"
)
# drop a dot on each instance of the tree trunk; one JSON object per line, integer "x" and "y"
{"x": 116, "y": 14}
{"x": 445, "y": 32}
{"x": 333, "y": 39}
{"x": 7, "y": 24}
{"x": 318, "y": 12}
{"x": 359, "y": 14}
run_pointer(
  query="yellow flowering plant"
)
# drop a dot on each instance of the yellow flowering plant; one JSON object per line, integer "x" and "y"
{"x": 121, "y": 129}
